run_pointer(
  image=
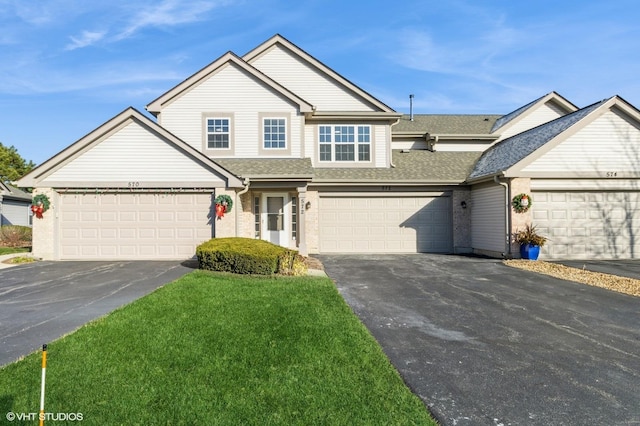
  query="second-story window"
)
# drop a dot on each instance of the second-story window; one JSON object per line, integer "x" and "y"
{"x": 218, "y": 133}
{"x": 344, "y": 143}
{"x": 275, "y": 133}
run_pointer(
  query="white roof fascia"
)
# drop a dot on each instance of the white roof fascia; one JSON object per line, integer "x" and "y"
{"x": 552, "y": 96}
{"x": 63, "y": 157}
{"x": 515, "y": 170}
{"x": 278, "y": 39}
{"x": 156, "y": 105}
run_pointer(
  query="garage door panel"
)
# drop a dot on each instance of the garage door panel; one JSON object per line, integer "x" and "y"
{"x": 401, "y": 224}
{"x": 585, "y": 225}
{"x": 133, "y": 226}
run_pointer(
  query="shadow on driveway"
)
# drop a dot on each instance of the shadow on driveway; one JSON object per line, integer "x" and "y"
{"x": 42, "y": 301}
{"x": 485, "y": 344}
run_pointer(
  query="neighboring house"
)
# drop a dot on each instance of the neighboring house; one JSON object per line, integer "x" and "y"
{"x": 14, "y": 206}
{"x": 313, "y": 162}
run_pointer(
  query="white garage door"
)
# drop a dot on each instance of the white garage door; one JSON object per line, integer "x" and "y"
{"x": 128, "y": 226}
{"x": 385, "y": 224}
{"x": 588, "y": 224}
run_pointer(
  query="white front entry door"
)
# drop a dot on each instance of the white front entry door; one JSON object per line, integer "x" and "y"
{"x": 275, "y": 220}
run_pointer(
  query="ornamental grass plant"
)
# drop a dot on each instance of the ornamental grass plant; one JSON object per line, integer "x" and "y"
{"x": 529, "y": 235}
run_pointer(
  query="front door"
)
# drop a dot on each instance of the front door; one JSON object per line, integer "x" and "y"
{"x": 274, "y": 218}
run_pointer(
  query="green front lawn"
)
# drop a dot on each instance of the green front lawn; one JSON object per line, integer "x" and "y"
{"x": 215, "y": 348}
{"x": 11, "y": 250}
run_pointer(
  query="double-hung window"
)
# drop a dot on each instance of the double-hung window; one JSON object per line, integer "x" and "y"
{"x": 274, "y": 133}
{"x": 218, "y": 133}
{"x": 344, "y": 143}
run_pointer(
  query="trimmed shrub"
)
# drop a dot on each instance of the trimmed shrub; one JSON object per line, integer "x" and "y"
{"x": 248, "y": 256}
{"x": 15, "y": 236}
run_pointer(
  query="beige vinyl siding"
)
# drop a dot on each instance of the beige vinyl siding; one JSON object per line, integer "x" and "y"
{"x": 541, "y": 115}
{"x": 613, "y": 184}
{"x": 307, "y": 82}
{"x": 381, "y": 139}
{"x": 588, "y": 224}
{"x": 14, "y": 213}
{"x": 230, "y": 89}
{"x": 134, "y": 155}
{"x": 462, "y": 146}
{"x": 310, "y": 140}
{"x": 608, "y": 145}
{"x": 488, "y": 227}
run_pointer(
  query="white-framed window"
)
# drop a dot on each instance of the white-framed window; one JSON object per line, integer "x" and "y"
{"x": 342, "y": 143}
{"x": 274, "y": 133}
{"x": 218, "y": 132}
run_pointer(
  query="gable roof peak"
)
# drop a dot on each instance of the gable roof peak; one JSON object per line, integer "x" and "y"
{"x": 508, "y": 152}
{"x": 278, "y": 39}
{"x": 552, "y": 96}
{"x": 155, "y": 106}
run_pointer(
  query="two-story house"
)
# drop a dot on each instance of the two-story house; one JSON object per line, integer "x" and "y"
{"x": 311, "y": 161}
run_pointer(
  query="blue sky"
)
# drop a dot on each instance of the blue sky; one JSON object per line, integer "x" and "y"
{"x": 67, "y": 66}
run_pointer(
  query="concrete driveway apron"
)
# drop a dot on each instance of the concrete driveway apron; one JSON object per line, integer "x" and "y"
{"x": 42, "y": 301}
{"x": 485, "y": 344}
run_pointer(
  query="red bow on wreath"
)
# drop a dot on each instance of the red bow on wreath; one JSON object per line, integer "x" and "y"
{"x": 37, "y": 209}
{"x": 220, "y": 210}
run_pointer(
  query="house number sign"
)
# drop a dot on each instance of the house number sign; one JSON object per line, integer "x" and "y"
{"x": 133, "y": 184}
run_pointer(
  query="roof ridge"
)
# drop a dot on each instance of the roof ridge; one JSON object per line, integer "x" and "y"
{"x": 510, "y": 151}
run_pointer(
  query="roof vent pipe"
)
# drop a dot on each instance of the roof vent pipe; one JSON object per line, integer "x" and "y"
{"x": 411, "y": 107}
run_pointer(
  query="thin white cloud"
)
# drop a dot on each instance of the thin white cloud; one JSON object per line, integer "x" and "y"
{"x": 168, "y": 13}
{"x": 87, "y": 38}
{"x": 39, "y": 81}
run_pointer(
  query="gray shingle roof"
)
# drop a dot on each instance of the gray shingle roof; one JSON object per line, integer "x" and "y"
{"x": 415, "y": 166}
{"x": 9, "y": 191}
{"x": 508, "y": 152}
{"x": 412, "y": 167}
{"x": 268, "y": 167}
{"x": 443, "y": 124}
{"x": 507, "y": 118}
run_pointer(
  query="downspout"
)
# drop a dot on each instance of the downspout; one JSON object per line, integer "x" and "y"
{"x": 238, "y": 194}
{"x": 507, "y": 214}
{"x": 391, "y": 143}
{"x": 431, "y": 145}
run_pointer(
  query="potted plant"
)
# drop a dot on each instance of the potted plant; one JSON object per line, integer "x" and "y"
{"x": 530, "y": 242}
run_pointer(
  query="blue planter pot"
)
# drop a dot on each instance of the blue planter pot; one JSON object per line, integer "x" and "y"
{"x": 529, "y": 251}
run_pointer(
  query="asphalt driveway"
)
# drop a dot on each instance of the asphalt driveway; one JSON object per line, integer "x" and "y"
{"x": 42, "y": 301}
{"x": 485, "y": 344}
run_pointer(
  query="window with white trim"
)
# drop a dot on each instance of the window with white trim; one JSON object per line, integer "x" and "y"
{"x": 344, "y": 143}
{"x": 274, "y": 133}
{"x": 218, "y": 133}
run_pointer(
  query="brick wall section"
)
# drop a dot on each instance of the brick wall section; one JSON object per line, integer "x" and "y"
{"x": 245, "y": 216}
{"x": 225, "y": 226}
{"x": 44, "y": 230}
{"x": 461, "y": 221}
{"x": 519, "y": 220}
{"x": 311, "y": 219}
